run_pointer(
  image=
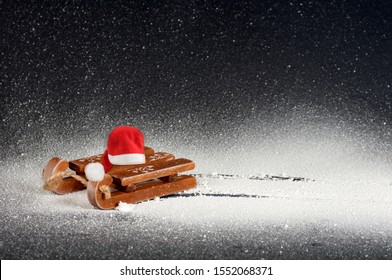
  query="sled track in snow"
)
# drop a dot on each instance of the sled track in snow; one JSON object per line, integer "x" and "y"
{"x": 253, "y": 177}
{"x": 222, "y": 176}
{"x": 239, "y": 195}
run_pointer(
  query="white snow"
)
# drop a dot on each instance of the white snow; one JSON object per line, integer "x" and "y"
{"x": 126, "y": 207}
{"x": 232, "y": 210}
{"x": 351, "y": 204}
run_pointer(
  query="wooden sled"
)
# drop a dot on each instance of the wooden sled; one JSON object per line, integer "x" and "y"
{"x": 158, "y": 177}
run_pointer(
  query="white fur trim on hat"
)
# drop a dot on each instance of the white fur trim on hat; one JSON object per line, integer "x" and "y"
{"x": 127, "y": 159}
{"x": 94, "y": 172}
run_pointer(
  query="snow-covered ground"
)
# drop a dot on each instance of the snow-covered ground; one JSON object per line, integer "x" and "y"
{"x": 221, "y": 218}
{"x": 296, "y": 87}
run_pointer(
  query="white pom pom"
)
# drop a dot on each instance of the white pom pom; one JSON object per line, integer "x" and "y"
{"x": 94, "y": 172}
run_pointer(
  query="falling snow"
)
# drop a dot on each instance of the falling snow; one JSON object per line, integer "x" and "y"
{"x": 243, "y": 88}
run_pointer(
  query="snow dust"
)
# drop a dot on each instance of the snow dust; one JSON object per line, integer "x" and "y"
{"x": 221, "y": 218}
{"x": 252, "y": 87}
{"x": 342, "y": 212}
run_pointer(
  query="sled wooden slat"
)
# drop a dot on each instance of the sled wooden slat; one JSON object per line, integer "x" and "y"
{"x": 78, "y": 165}
{"x": 69, "y": 185}
{"x": 128, "y": 176}
{"x": 155, "y": 158}
{"x": 145, "y": 192}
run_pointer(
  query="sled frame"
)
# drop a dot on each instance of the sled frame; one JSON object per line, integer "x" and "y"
{"x": 158, "y": 177}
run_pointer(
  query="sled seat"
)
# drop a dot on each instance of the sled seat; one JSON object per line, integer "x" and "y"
{"x": 78, "y": 165}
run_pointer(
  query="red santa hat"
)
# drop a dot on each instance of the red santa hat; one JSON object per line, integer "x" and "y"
{"x": 125, "y": 147}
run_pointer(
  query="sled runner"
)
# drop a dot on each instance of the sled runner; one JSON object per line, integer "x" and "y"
{"x": 127, "y": 183}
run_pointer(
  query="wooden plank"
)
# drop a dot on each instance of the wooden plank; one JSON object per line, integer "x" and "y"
{"x": 78, "y": 165}
{"x": 127, "y": 176}
{"x": 69, "y": 185}
{"x": 157, "y": 157}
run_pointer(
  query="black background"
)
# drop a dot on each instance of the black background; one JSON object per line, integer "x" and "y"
{"x": 197, "y": 76}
